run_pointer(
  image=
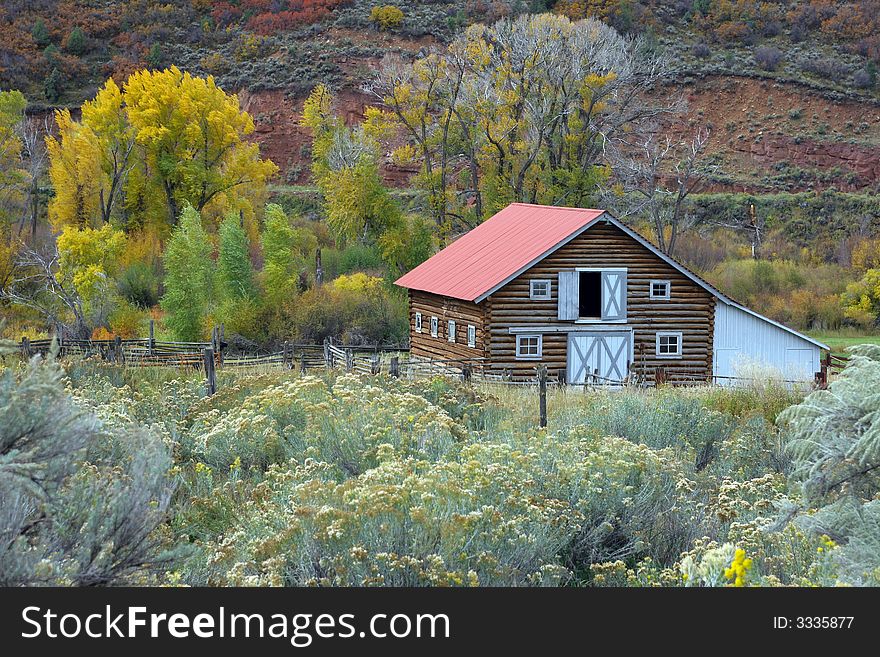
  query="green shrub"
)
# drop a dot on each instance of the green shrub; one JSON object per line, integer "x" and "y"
{"x": 76, "y": 41}
{"x": 40, "y": 34}
{"x": 387, "y": 17}
{"x": 139, "y": 285}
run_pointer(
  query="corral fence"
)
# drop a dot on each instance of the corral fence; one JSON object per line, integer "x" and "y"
{"x": 369, "y": 360}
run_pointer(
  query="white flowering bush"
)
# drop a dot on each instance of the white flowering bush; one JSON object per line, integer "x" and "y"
{"x": 337, "y": 479}
{"x": 498, "y": 514}
{"x": 344, "y": 424}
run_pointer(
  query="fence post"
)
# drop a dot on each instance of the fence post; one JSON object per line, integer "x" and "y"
{"x": 660, "y": 376}
{"x": 542, "y": 396}
{"x": 302, "y": 363}
{"x": 117, "y": 349}
{"x": 285, "y": 357}
{"x": 221, "y": 343}
{"x": 26, "y": 347}
{"x": 327, "y": 353}
{"x": 394, "y": 370}
{"x": 349, "y": 360}
{"x": 210, "y": 375}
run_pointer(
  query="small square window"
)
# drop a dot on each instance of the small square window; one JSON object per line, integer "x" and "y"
{"x": 472, "y": 335}
{"x": 450, "y": 331}
{"x": 528, "y": 347}
{"x": 660, "y": 289}
{"x": 539, "y": 289}
{"x": 435, "y": 327}
{"x": 669, "y": 345}
{"x": 418, "y": 322}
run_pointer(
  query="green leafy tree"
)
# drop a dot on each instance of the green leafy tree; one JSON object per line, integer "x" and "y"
{"x": 407, "y": 244}
{"x": 188, "y": 277}
{"x": 358, "y": 204}
{"x": 285, "y": 254}
{"x": 12, "y": 175}
{"x": 236, "y": 275}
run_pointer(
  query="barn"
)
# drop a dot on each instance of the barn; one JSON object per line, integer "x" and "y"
{"x": 578, "y": 291}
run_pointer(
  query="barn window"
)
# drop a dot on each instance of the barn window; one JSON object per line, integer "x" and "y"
{"x": 435, "y": 327}
{"x": 660, "y": 289}
{"x": 472, "y": 335}
{"x": 418, "y": 322}
{"x": 668, "y": 344}
{"x": 539, "y": 290}
{"x": 590, "y": 294}
{"x": 528, "y": 347}
{"x": 450, "y": 330}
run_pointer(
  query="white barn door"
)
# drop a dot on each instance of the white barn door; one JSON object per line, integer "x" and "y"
{"x": 614, "y": 294}
{"x": 606, "y": 354}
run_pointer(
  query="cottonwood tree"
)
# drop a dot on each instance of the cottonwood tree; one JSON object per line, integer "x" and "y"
{"x": 189, "y": 284}
{"x": 346, "y": 169}
{"x": 528, "y": 108}
{"x": 37, "y": 283}
{"x": 141, "y": 152}
{"x": 655, "y": 180}
{"x": 33, "y": 133}
{"x": 69, "y": 282}
{"x": 15, "y": 177}
{"x": 234, "y": 270}
{"x": 285, "y": 253}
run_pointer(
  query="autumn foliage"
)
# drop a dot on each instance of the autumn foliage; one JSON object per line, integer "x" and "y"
{"x": 267, "y": 16}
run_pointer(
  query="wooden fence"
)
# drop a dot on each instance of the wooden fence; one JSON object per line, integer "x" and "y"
{"x": 360, "y": 359}
{"x": 365, "y": 360}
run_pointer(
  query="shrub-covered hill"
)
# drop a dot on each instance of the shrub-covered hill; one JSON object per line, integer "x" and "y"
{"x": 789, "y": 88}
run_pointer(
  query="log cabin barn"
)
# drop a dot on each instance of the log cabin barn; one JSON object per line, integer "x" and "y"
{"x": 588, "y": 297}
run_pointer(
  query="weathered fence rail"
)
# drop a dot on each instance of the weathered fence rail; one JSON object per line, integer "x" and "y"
{"x": 368, "y": 360}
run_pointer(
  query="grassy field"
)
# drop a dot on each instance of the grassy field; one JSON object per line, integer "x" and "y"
{"x": 843, "y": 338}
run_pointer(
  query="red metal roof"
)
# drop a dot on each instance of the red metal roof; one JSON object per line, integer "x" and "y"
{"x": 497, "y": 250}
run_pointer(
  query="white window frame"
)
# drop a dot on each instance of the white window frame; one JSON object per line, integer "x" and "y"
{"x": 435, "y": 326}
{"x": 450, "y": 330}
{"x": 668, "y": 286}
{"x": 668, "y": 334}
{"x": 472, "y": 335}
{"x": 529, "y": 336}
{"x": 418, "y": 322}
{"x": 534, "y": 296}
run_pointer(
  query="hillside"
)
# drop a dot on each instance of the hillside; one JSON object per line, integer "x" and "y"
{"x": 789, "y": 88}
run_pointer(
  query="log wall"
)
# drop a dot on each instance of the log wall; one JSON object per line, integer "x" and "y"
{"x": 444, "y": 308}
{"x": 690, "y": 310}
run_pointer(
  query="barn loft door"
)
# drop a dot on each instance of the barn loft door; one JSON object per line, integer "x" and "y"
{"x": 609, "y": 283}
{"x": 614, "y": 294}
{"x": 568, "y": 293}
